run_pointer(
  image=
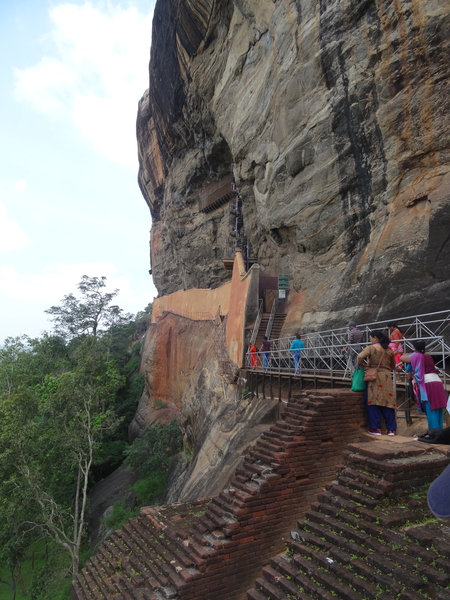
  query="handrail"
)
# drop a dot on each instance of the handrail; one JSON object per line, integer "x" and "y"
{"x": 193, "y": 316}
{"x": 329, "y": 359}
{"x": 418, "y": 326}
{"x": 271, "y": 318}
{"x": 257, "y": 323}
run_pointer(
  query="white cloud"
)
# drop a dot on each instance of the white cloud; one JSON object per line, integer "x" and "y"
{"x": 58, "y": 280}
{"x": 20, "y": 186}
{"x": 11, "y": 235}
{"x": 96, "y": 74}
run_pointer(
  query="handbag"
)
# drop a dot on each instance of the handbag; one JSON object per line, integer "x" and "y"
{"x": 371, "y": 373}
{"x": 358, "y": 384}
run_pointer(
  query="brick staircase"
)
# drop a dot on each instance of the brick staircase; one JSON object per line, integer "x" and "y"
{"x": 365, "y": 536}
{"x": 213, "y": 549}
{"x": 277, "y": 326}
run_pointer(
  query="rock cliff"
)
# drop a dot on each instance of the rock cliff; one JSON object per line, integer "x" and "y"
{"x": 186, "y": 378}
{"x": 332, "y": 116}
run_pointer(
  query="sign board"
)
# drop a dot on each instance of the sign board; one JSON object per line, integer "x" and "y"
{"x": 283, "y": 282}
{"x": 281, "y": 294}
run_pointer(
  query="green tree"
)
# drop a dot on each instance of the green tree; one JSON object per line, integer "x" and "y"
{"x": 154, "y": 450}
{"x": 13, "y": 359}
{"x": 63, "y": 400}
{"x": 48, "y": 446}
{"x": 85, "y": 315}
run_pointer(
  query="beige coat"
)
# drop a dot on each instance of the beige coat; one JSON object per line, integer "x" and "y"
{"x": 380, "y": 391}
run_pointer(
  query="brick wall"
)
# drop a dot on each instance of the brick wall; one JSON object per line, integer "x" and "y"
{"x": 217, "y": 555}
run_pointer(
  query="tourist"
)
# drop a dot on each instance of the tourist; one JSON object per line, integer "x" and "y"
{"x": 353, "y": 347}
{"x": 379, "y": 394}
{"x": 395, "y": 334}
{"x": 265, "y": 349}
{"x": 428, "y": 387}
{"x": 253, "y": 352}
{"x": 296, "y": 348}
{"x": 439, "y": 495}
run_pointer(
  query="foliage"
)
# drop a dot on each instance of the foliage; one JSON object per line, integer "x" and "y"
{"x": 65, "y": 402}
{"x": 84, "y": 316}
{"x": 131, "y": 365}
{"x": 154, "y": 450}
{"x": 149, "y": 488}
{"x": 46, "y": 457}
{"x": 120, "y": 515}
{"x": 160, "y": 404}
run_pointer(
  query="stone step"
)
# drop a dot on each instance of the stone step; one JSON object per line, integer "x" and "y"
{"x": 279, "y": 437}
{"x": 369, "y": 566}
{"x": 269, "y": 590}
{"x": 86, "y": 586}
{"x": 361, "y": 477}
{"x": 268, "y": 446}
{"x": 361, "y": 488}
{"x": 77, "y": 590}
{"x": 258, "y": 469}
{"x": 94, "y": 568}
{"x": 326, "y": 498}
{"x": 287, "y": 427}
{"x": 299, "y": 412}
{"x": 219, "y": 522}
{"x": 177, "y": 551}
{"x": 351, "y": 495}
{"x": 144, "y": 565}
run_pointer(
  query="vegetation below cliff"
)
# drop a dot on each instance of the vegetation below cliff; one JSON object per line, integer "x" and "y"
{"x": 66, "y": 400}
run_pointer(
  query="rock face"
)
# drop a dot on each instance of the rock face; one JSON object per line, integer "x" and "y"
{"x": 333, "y": 117}
{"x": 183, "y": 363}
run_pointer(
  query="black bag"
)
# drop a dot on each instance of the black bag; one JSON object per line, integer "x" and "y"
{"x": 436, "y": 436}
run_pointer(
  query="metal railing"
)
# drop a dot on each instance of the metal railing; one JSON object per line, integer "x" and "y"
{"x": 323, "y": 353}
{"x": 271, "y": 318}
{"x": 425, "y": 326}
{"x": 257, "y": 323}
{"x": 194, "y": 316}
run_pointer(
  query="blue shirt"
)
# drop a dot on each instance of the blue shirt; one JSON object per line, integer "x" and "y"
{"x": 297, "y": 345}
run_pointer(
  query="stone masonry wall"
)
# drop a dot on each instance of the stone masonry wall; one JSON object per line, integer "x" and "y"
{"x": 167, "y": 553}
{"x": 370, "y": 534}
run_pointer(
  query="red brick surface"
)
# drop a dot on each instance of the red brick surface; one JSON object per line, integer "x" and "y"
{"x": 244, "y": 525}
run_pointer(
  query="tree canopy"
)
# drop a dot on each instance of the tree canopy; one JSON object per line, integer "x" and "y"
{"x": 85, "y": 315}
{"x": 65, "y": 399}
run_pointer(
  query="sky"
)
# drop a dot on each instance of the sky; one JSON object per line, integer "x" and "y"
{"x": 71, "y": 77}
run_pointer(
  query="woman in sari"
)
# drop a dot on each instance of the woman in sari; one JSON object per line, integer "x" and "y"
{"x": 379, "y": 394}
{"x": 253, "y": 352}
{"x": 428, "y": 388}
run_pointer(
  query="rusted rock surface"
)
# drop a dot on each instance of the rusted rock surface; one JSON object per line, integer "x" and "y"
{"x": 335, "y": 117}
{"x": 186, "y": 379}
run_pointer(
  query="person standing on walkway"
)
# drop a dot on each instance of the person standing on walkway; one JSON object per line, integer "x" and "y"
{"x": 296, "y": 348}
{"x": 353, "y": 348}
{"x": 379, "y": 394}
{"x": 265, "y": 349}
{"x": 253, "y": 352}
{"x": 428, "y": 389}
{"x": 395, "y": 334}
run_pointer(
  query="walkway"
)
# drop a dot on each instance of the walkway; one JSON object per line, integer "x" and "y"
{"x": 323, "y": 356}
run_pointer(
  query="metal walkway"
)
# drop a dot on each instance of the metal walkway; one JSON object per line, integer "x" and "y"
{"x": 323, "y": 357}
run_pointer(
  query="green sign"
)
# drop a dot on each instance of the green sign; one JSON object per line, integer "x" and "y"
{"x": 283, "y": 282}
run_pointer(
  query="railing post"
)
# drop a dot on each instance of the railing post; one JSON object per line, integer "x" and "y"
{"x": 271, "y": 318}
{"x": 257, "y": 323}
